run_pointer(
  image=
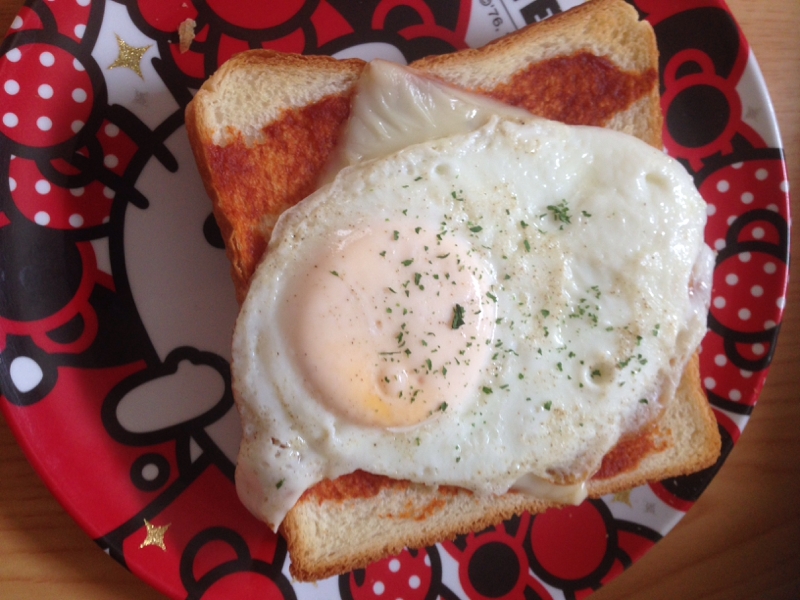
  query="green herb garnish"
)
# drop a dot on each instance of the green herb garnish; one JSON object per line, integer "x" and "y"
{"x": 560, "y": 211}
{"x": 458, "y": 316}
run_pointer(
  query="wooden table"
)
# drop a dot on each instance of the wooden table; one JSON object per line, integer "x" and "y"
{"x": 740, "y": 541}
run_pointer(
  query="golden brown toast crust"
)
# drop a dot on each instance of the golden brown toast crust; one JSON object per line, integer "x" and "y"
{"x": 251, "y": 184}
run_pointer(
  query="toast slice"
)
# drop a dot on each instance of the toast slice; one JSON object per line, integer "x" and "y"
{"x": 263, "y": 128}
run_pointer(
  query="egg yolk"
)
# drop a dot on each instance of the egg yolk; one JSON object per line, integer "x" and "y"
{"x": 393, "y": 324}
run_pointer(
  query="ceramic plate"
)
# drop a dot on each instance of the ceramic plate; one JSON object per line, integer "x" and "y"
{"x": 116, "y": 306}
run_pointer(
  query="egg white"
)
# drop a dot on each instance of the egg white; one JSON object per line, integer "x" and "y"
{"x": 586, "y": 241}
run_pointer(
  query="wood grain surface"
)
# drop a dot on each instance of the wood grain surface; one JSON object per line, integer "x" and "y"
{"x": 741, "y": 540}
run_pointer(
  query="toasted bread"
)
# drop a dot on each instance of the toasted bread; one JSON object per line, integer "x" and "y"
{"x": 262, "y": 129}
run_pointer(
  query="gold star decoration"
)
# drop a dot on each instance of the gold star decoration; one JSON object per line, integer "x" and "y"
{"x": 624, "y": 497}
{"x": 129, "y": 57}
{"x": 155, "y": 535}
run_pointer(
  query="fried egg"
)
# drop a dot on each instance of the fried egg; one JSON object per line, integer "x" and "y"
{"x": 496, "y": 305}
